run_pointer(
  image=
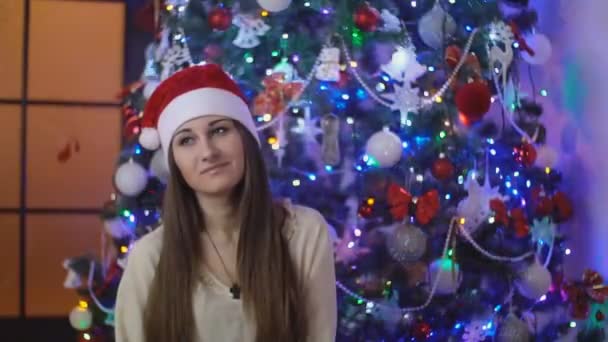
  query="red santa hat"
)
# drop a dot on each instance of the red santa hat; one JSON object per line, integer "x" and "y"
{"x": 188, "y": 94}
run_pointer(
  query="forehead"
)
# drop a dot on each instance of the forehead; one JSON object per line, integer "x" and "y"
{"x": 203, "y": 121}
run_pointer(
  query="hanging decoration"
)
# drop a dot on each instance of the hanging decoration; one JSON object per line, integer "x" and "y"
{"x": 250, "y": 29}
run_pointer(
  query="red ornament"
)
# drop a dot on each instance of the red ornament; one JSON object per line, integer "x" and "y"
{"x": 519, "y": 223}
{"x": 599, "y": 316}
{"x": 500, "y": 211}
{"x": 421, "y": 330}
{"x": 525, "y": 154}
{"x": 213, "y": 52}
{"x": 366, "y": 18}
{"x": 473, "y": 101}
{"x": 366, "y": 208}
{"x": 563, "y": 207}
{"x": 442, "y": 169}
{"x": 220, "y": 18}
{"x": 399, "y": 201}
{"x": 453, "y": 53}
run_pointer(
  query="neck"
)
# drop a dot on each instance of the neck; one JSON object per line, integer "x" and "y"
{"x": 220, "y": 216}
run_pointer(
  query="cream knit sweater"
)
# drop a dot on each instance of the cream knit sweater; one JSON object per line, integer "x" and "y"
{"x": 219, "y": 317}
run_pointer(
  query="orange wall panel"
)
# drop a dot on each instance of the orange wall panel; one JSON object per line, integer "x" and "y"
{"x": 10, "y": 155}
{"x": 11, "y": 41}
{"x": 76, "y": 50}
{"x": 71, "y": 152}
{"x": 50, "y": 239}
{"x": 9, "y": 266}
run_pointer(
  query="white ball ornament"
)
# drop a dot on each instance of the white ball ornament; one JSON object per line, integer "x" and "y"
{"x": 130, "y": 179}
{"x": 546, "y": 156}
{"x": 385, "y": 147}
{"x": 541, "y": 45}
{"x": 407, "y": 243}
{"x": 449, "y": 275}
{"x": 149, "y": 88}
{"x": 435, "y": 26}
{"x": 534, "y": 281}
{"x": 81, "y": 318}
{"x": 158, "y": 166}
{"x": 274, "y": 5}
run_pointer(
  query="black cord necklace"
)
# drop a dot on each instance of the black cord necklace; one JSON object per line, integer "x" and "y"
{"x": 235, "y": 289}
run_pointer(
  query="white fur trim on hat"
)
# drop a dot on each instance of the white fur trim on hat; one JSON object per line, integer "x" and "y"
{"x": 203, "y": 102}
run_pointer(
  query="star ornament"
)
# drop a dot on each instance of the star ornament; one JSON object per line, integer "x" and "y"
{"x": 475, "y": 208}
{"x": 404, "y": 69}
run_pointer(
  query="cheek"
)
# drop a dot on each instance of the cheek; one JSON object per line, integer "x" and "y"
{"x": 185, "y": 163}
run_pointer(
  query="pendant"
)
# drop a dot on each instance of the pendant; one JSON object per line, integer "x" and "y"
{"x": 236, "y": 291}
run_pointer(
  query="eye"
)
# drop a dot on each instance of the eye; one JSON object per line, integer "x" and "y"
{"x": 220, "y": 130}
{"x": 185, "y": 141}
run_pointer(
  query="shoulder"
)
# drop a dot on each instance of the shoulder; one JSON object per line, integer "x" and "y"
{"x": 302, "y": 220}
{"x": 145, "y": 252}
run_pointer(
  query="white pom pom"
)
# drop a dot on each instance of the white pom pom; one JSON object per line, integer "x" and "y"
{"x": 130, "y": 179}
{"x": 149, "y": 138}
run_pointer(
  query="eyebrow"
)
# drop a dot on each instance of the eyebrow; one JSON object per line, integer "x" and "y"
{"x": 212, "y": 123}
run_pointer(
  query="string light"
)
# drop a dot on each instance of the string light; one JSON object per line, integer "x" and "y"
{"x": 272, "y": 140}
{"x": 307, "y": 4}
{"x": 572, "y": 324}
{"x": 460, "y": 179}
{"x": 264, "y": 13}
{"x": 296, "y": 182}
{"x": 312, "y": 177}
{"x": 568, "y": 251}
{"x": 404, "y": 144}
{"x": 442, "y": 134}
{"x": 413, "y": 3}
{"x": 285, "y": 36}
{"x": 267, "y": 117}
{"x": 328, "y": 168}
{"x": 543, "y": 92}
{"x": 448, "y": 196}
{"x": 547, "y": 170}
{"x": 169, "y": 8}
{"x": 86, "y": 336}
{"x": 353, "y": 64}
{"x": 345, "y": 96}
{"x": 83, "y": 304}
{"x": 351, "y": 244}
{"x": 380, "y": 87}
{"x": 357, "y": 232}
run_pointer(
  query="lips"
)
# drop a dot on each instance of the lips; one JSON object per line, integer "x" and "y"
{"x": 214, "y": 167}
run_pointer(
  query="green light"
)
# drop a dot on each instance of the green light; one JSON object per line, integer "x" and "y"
{"x": 442, "y": 134}
{"x": 360, "y": 301}
{"x": 248, "y": 58}
{"x": 275, "y": 53}
{"x": 126, "y": 213}
{"x": 544, "y": 92}
{"x": 450, "y": 252}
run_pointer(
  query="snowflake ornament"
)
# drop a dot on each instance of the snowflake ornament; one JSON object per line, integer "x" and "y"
{"x": 391, "y": 22}
{"x": 543, "y": 231}
{"x": 176, "y": 57}
{"x": 476, "y": 331}
{"x": 250, "y": 29}
{"x": 500, "y": 48}
{"x": 404, "y": 68}
{"x": 475, "y": 208}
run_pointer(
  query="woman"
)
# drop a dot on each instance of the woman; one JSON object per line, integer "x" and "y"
{"x": 227, "y": 264}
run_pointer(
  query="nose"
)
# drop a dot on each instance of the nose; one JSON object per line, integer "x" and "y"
{"x": 208, "y": 152}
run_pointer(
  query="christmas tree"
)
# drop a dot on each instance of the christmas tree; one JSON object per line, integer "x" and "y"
{"x": 406, "y": 125}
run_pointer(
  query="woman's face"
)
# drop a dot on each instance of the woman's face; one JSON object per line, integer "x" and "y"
{"x": 208, "y": 151}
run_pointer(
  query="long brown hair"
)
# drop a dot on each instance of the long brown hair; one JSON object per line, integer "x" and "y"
{"x": 272, "y": 292}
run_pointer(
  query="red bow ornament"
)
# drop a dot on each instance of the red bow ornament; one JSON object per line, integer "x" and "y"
{"x": 580, "y": 294}
{"x": 277, "y": 94}
{"x": 399, "y": 200}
